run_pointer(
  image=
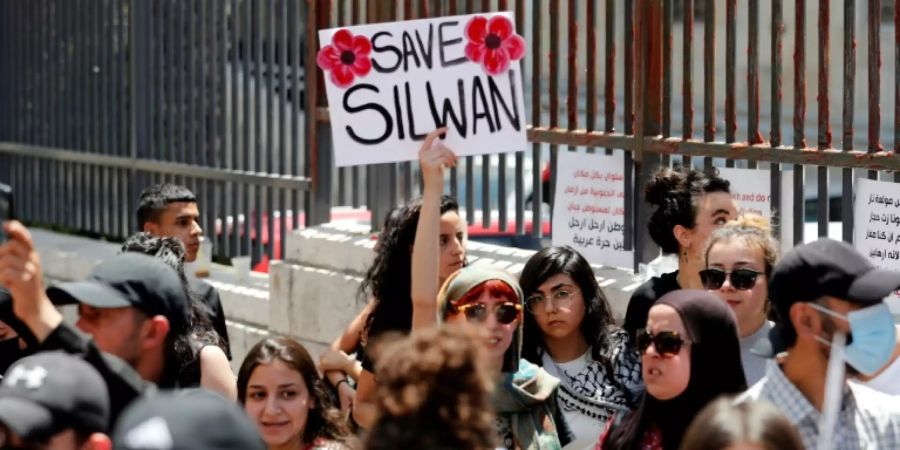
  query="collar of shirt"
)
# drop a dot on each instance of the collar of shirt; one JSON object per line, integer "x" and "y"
{"x": 793, "y": 403}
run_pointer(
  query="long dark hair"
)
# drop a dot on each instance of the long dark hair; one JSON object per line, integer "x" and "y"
{"x": 715, "y": 370}
{"x": 598, "y": 317}
{"x": 675, "y": 193}
{"x": 324, "y": 419}
{"x": 183, "y": 351}
{"x": 388, "y": 279}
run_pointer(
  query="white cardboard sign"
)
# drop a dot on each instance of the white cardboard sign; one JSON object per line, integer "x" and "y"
{"x": 389, "y": 84}
{"x": 589, "y": 213}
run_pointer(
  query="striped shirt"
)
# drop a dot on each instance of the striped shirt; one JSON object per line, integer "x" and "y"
{"x": 867, "y": 420}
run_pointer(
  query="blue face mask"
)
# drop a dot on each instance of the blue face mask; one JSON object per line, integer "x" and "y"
{"x": 874, "y": 337}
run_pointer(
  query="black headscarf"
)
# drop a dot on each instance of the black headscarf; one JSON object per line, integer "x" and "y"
{"x": 715, "y": 370}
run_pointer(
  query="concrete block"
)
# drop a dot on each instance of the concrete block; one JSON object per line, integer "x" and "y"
{"x": 244, "y": 303}
{"x": 322, "y": 303}
{"x": 281, "y": 311}
{"x": 329, "y": 249}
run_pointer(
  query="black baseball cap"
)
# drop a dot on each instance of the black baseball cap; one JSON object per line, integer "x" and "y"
{"x": 49, "y": 392}
{"x": 192, "y": 419}
{"x": 824, "y": 267}
{"x": 130, "y": 279}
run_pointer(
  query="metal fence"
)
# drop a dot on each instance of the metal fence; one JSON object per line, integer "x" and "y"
{"x": 601, "y": 77}
{"x": 101, "y": 97}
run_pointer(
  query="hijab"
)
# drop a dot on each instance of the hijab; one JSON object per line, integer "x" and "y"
{"x": 715, "y": 370}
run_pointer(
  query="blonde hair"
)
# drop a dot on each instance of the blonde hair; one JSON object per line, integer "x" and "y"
{"x": 754, "y": 230}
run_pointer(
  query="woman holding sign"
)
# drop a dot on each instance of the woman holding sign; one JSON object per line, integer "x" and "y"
{"x": 570, "y": 332}
{"x": 690, "y": 204}
{"x": 525, "y": 397}
{"x": 388, "y": 282}
{"x": 739, "y": 260}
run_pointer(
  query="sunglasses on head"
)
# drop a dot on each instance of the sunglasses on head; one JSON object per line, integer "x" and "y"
{"x": 741, "y": 279}
{"x": 665, "y": 342}
{"x": 506, "y": 313}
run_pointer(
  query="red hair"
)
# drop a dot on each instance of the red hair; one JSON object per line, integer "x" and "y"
{"x": 496, "y": 288}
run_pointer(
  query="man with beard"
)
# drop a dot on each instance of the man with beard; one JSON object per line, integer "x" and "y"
{"x": 822, "y": 290}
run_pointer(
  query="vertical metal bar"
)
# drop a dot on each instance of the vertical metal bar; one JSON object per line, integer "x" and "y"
{"x": 299, "y": 101}
{"x": 730, "y": 63}
{"x": 139, "y": 88}
{"x": 284, "y": 195}
{"x": 357, "y": 182}
{"x": 406, "y": 166}
{"x": 553, "y": 92}
{"x": 609, "y": 82}
{"x": 709, "y": 75}
{"x": 799, "y": 115}
{"x": 520, "y": 155}
{"x": 849, "y": 97}
{"x": 454, "y": 175}
{"x": 501, "y": 162}
{"x": 824, "y": 141}
{"x": 536, "y": 76}
{"x": 591, "y": 73}
{"x": 233, "y": 57}
{"x": 753, "y": 134}
{"x": 668, "y": 17}
{"x": 874, "y": 80}
{"x": 631, "y": 195}
{"x": 250, "y": 134}
{"x": 775, "y": 138}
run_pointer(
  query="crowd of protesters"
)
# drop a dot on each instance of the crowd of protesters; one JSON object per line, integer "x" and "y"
{"x": 740, "y": 348}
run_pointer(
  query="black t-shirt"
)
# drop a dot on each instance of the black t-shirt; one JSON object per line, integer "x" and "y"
{"x": 214, "y": 308}
{"x": 643, "y": 299}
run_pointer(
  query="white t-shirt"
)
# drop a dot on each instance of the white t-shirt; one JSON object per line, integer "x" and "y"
{"x": 588, "y": 397}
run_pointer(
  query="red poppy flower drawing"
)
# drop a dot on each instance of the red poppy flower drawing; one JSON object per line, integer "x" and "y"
{"x": 347, "y": 57}
{"x": 493, "y": 44}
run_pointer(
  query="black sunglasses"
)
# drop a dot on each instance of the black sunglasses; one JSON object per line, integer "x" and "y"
{"x": 506, "y": 313}
{"x": 741, "y": 279}
{"x": 665, "y": 342}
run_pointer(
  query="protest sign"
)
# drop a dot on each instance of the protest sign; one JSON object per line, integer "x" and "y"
{"x": 752, "y": 191}
{"x": 876, "y": 225}
{"x": 589, "y": 212}
{"x": 389, "y": 84}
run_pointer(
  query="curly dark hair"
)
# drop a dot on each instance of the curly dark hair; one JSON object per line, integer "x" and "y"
{"x": 388, "y": 279}
{"x": 440, "y": 399}
{"x": 598, "y": 318}
{"x": 183, "y": 354}
{"x": 675, "y": 193}
{"x": 324, "y": 419}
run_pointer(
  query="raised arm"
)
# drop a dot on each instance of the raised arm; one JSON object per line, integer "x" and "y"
{"x": 433, "y": 158}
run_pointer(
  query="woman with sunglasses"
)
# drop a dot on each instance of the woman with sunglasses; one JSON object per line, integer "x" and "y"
{"x": 570, "y": 332}
{"x": 739, "y": 259}
{"x": 690, "y": 204}
{"x": 690, "y": 355}
{"x": 525, "y": 398}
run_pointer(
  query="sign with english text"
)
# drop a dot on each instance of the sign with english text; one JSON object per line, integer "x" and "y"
{"x": 389, "y": 84}
{"x": 589, "y": 211}
{"x": 751, "y": 189}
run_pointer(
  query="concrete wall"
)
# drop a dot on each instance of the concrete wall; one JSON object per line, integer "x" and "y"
{"x": 312, "y": 295}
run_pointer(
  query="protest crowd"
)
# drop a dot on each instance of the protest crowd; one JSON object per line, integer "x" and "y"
{"x": 740, "y": 348}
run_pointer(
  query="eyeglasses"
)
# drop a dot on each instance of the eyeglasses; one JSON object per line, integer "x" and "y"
{"x": 741, "y": 279}
{"x": 506, "y": 313}
{"x": 665, "y": 342}
{"x": 562, "y": 298}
